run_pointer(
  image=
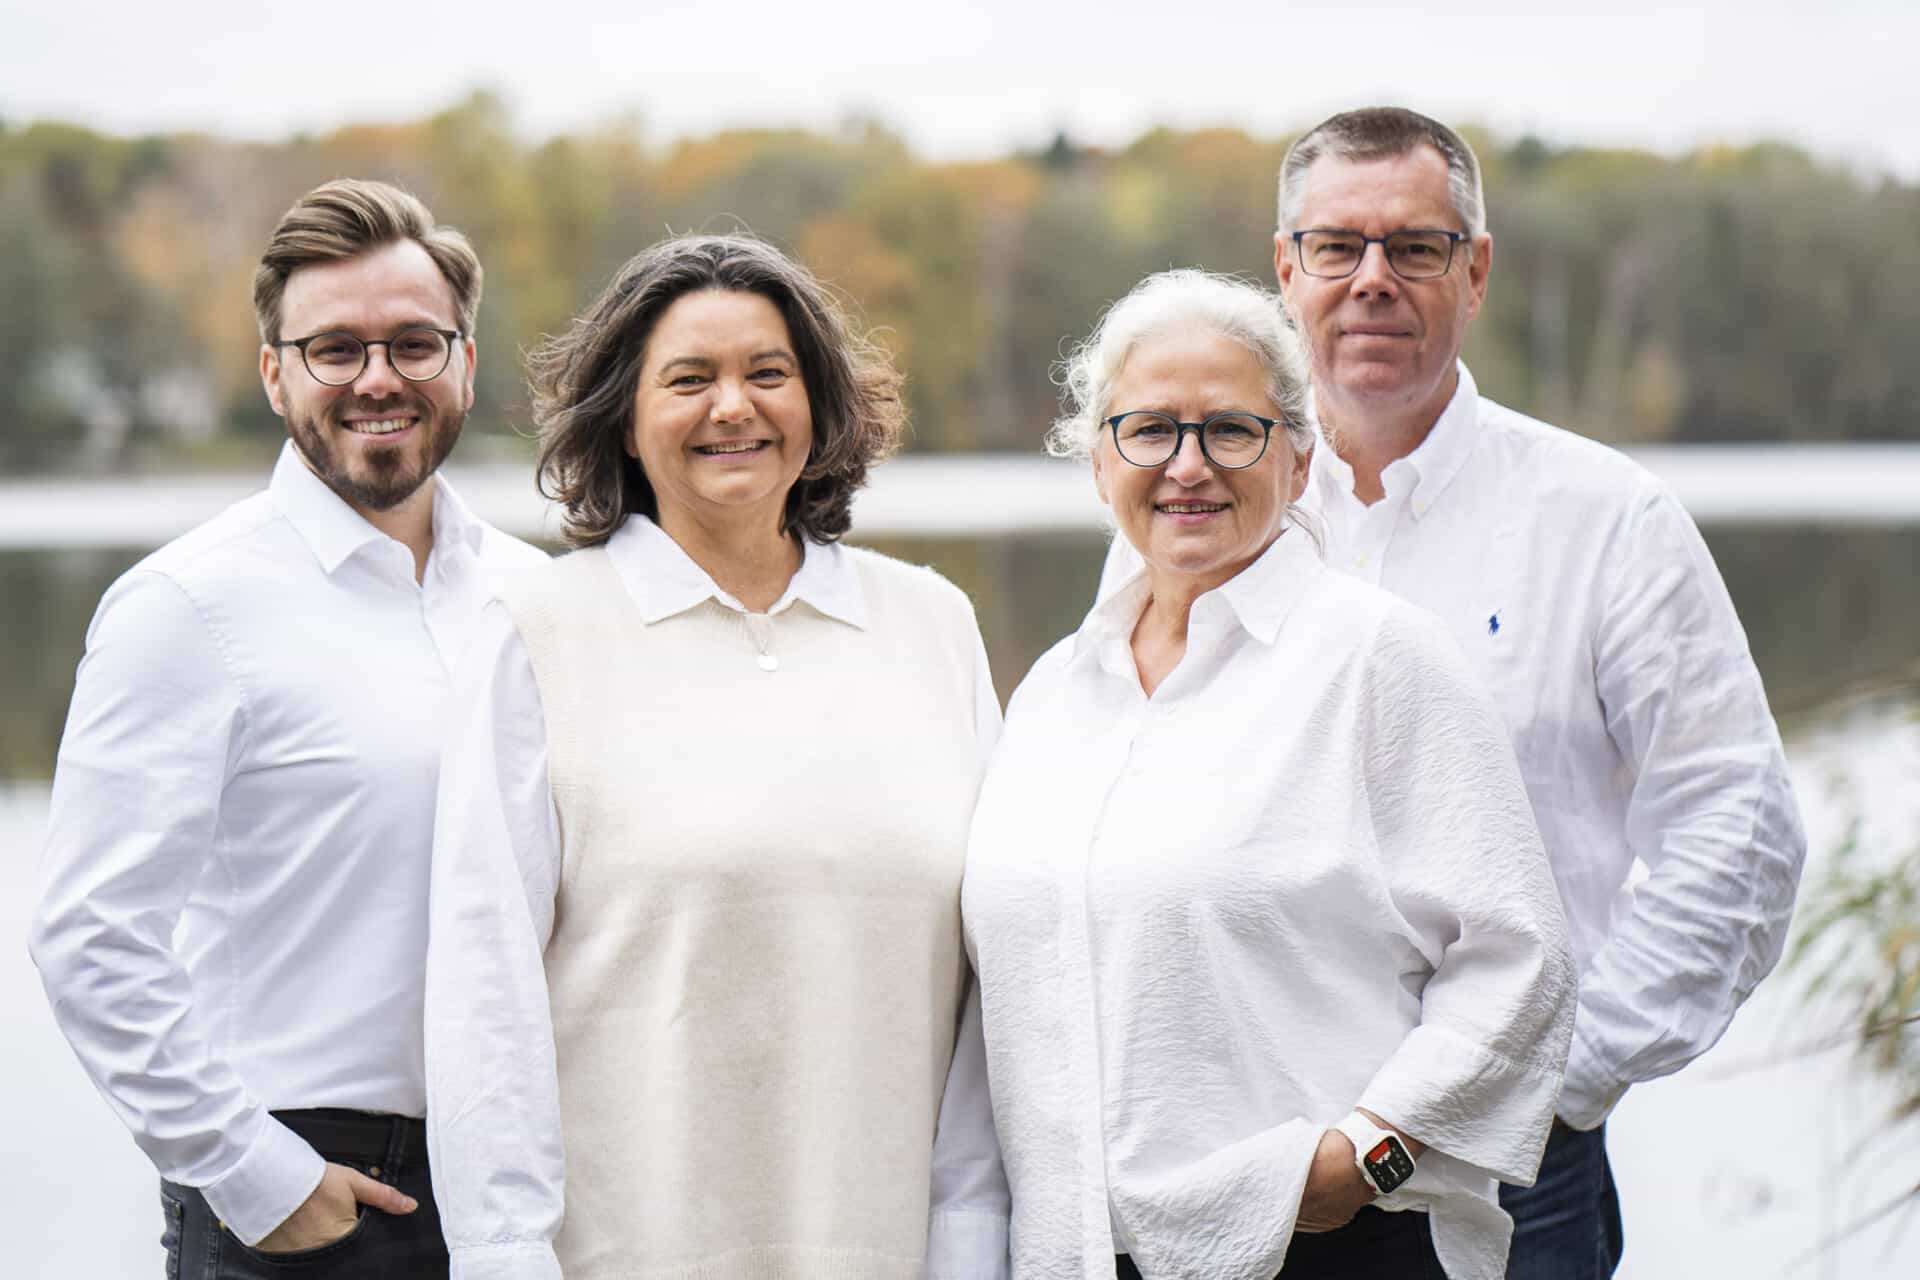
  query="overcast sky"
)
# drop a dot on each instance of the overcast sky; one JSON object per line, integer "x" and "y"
{"x": 973, "y": 79}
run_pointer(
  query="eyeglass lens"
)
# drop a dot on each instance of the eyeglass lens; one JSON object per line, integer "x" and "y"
{"x": 416, "y": 354}
{"x": 1414, "y": 255}
{"x": 1230, "y": 440}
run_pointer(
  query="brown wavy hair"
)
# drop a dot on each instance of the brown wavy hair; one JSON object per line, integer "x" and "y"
{"x": 583, "y": 384}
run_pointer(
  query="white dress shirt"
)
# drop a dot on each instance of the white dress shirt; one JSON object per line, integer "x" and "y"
{"x": 495, "y": 1104}
{"x": 234, "y": 888}
{"x": 1299, "y": 879}
{"x": 1586, "y": 601}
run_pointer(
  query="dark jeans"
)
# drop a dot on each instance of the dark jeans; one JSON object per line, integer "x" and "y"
{"x": 1566, "y": 1226}
{"x": 1376, "y": 1245}
{"x": 381, "y": 1247}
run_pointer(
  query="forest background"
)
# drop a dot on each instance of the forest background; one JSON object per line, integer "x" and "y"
{"x": 1730, "y": 293}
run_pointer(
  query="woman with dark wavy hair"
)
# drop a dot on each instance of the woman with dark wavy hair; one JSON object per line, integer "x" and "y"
{"x": 695, "y": 925}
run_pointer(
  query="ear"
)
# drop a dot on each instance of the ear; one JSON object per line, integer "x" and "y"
{"x": 1477, "y": 271}
{"x": 1100, "y": 472}
{"x": 1282, "y": 264}
{"x": 1297, "y": 481}
{"x": 270, "y": 378}
{"x": 467, "y": 347}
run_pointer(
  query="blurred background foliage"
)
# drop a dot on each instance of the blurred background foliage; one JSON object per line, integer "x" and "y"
{"x": 1857, "y": 945}
{"x": 1755, "y": 293}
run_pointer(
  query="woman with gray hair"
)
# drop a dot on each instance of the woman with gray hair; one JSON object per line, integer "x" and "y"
{"x": 1273, "y": 972}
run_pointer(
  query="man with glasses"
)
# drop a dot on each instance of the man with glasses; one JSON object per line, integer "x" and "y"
{"x": 232, "y": 922}
{"x": 1585, "y": 598}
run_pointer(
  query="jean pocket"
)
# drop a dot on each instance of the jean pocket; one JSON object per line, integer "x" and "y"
{"x": 173, "y": 1219}
{"x": 318, "y": 1253}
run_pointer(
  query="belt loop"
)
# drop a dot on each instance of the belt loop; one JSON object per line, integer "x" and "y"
{"x": 396, "y": 1148}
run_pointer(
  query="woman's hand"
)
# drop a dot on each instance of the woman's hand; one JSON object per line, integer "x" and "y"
{"x": 1335, "y": 1190}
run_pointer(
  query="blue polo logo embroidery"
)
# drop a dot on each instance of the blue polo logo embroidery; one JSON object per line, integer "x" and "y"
{"x": 1493, "y": 624}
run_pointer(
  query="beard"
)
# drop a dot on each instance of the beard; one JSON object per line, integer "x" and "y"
{"x": 376, "y": 477}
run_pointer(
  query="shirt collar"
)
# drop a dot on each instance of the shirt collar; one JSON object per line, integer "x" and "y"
{"x": 334, "y": 531}
{"x": 663, "y": 580}
{"x": 453, "y": 520}
{"x": 1258, "y": 598}
{"x": 1261, "y": 595}
{"x": 331, "y": 529}
{"x": 1433, "y": 464}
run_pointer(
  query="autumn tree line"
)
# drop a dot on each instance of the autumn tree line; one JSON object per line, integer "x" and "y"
{"x": 1734, "y": 294}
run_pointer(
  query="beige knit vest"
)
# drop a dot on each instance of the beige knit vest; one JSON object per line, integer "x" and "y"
{"x": 756, "y": 964}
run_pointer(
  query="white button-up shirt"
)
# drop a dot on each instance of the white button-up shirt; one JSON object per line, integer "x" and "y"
{"x": 498, "y": 853}
{"x": 1586, "y": 601}
{"x": 1300, "y": 878}
{"x": 234, "y": 888}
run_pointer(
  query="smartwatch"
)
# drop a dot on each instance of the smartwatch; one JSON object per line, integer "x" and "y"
{"x": 1381, "y": 1156}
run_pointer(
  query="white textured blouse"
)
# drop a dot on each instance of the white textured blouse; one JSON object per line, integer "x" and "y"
{"x": 697, "y": 1025}
{"x": 1300, "y": 878}
{"x": 1586, "y": 602}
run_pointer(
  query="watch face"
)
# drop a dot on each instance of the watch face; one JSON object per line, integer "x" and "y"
{"x": 1388, "y": 1164}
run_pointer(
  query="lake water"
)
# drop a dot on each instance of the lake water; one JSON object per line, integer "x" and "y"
{"x": 1820, "y": 547}
{"x": 1827, "y": 608}
{"x": 1741, "y": 1163}
{"x": 1737, "y": 1166}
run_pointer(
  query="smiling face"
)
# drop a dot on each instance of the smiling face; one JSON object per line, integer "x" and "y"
{"x": 377, "y": 440}
{"x": 1383, "y": 348}
{"x": 1194, "y": 524}
{"x": 721, "y": 421}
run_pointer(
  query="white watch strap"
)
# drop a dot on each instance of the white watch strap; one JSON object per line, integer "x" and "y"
{"x": 1365, "y": 1136}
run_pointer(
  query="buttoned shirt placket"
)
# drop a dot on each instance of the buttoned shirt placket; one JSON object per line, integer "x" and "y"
{"x": 1120, "y": 759}
{"x": 1128, "y": 756}
{"x": 1362, "y": 534}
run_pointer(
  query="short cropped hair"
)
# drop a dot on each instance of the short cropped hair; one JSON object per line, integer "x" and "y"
{"x": 583, "y": 384}
{"x": 1381, "y": 133}
{"x": 1175, "y": 302}
{"x": 347, "y": 217}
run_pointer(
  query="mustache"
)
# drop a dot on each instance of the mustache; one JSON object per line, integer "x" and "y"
{"x": 412, "y": 402}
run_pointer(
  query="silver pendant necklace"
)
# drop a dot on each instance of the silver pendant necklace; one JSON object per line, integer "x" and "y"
{"x": 760, "y": 630}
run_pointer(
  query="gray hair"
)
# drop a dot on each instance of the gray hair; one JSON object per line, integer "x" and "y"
{"x": 1175, "y": 301}
{"x": 1380, "y": 133}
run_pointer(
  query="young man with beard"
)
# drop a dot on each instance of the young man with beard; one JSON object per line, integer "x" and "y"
{"x": 232, "y": 922}
{"x": 1582, "y": 594}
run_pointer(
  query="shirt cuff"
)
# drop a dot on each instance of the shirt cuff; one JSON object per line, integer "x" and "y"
{"x": 511, "y": 1260}
{"x": 1176, "y": 1216}
{"x": 966, "y": 1245}
{"x": 272, "y": 1179}
{"x": 1463, "y": 1099}
{"x": 1590, "y": 1093}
